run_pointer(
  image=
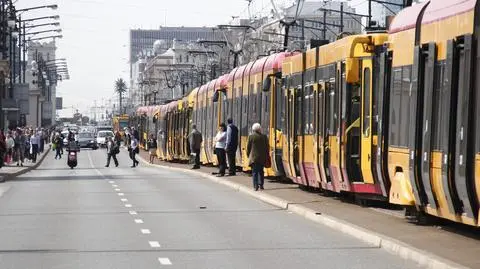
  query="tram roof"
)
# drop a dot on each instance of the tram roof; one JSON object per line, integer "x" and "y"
{"x": 407, "y": 18}
{"x": 439, "y": 10}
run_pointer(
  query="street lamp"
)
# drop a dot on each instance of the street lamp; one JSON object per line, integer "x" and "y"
{"x": 56, "y": 17}
{"x": 45, "y": 37}
{"x": 42, "y": 24}
{"x": 46, "y": 31}
{"x": 54, "y": 7}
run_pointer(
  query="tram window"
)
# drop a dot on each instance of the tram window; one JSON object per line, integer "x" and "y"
{"x": 280, "y": 107}
{"x": 405, "y": 107}
{"x": 396, "y": 97}
{"x": 439, "y": 115}
{"x": 308, "y": 109}
{"x": 366, "y": 102}
{"x": 321, "y": 112}
{"x": 337, "y": 89}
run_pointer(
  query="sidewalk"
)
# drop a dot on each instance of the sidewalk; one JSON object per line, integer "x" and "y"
{"x": 450, "y": 246}
{"x": 8, "y": 172}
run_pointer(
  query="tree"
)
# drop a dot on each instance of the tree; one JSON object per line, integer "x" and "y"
{"x": 120, "y": 88}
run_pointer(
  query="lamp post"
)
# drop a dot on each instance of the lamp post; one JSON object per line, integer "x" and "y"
{"x": 54, "y": 7}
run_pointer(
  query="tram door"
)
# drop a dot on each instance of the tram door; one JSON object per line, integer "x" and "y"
{"x": 319, "y": 139}
{"x": 366, "y": 140}
{"x": 292, "y": 114}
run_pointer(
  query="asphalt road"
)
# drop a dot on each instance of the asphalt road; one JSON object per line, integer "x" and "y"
{"x": 145, "y": 217}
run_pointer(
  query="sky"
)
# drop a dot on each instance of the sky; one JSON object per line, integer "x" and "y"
{"x": 96, "y": 36}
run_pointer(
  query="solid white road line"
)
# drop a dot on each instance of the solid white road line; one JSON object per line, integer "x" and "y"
{"x": 132, "y": 212}
{"x": 124, "y": 200}
{"x": 154, "y": 244}
{"x": 164, "y": 261}
{"x": 138, "y": 221}
{"x": 128, "y": 205}
{"x": 145, "y": 231}
{"x": 121, "y": 194}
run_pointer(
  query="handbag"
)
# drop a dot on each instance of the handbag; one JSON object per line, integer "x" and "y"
{"x": 268, "y": 161}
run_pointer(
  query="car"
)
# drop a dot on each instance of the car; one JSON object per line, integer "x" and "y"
{"x": 65, "y": 137}
{"x": 87, "y": 140}
{"x": 101, "y": 137}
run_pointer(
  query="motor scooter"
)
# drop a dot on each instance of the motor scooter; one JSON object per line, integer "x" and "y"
{"x": 72, "y": 155}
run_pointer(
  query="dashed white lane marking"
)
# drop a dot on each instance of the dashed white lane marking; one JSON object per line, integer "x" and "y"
{"x": 145, "y": 231}
{"x": 117, "y": 189}
{"x": 132, "y": 212}
{"x": 115, "y": 186}
{"x": 138, "y": 221}
{"x": 121, "y": 194}
{"x": 124, "y": 200}
{"x": 154, "y": 244}
{"x": 111, "y": 182}
{"x": 164, "y": 261}
{"x": 128, "y": 205}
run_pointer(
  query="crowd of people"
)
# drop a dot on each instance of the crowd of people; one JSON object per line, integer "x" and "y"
{"x": 22, "y": 144}
{"x": 226, "y": 145}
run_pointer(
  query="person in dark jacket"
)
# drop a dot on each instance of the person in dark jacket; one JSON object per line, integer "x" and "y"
{"x": 152, "y": 147}
{"x": 257, "y": 151}
{"x": 195, "y": 139}
{"x": 112, "y": 151}
{"x": 232, "y": 145}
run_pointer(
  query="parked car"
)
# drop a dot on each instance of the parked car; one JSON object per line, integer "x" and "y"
{"x": 101, "y": 137}
{"x": 87, "y": 140}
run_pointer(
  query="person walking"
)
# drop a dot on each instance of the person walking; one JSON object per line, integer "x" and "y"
{"x": 20, "y": 143}
{"x": 257, "y": 151}
{"x": 42, "y": 135}
{"x": 152, "y": 147}
{"x": 34, "y": 143}
{"x": 232, "y": 145}
{"x": 220, "y": 144}
{"x": 10, "y": 145}
{"x": 195, "y": 139}
{"x": 133, "y": 150}
{"x": 58, "y": 142}
{"x": 3, "y": 148}
{"x": 112, "y": 151}
{"x": 118, "y": 138}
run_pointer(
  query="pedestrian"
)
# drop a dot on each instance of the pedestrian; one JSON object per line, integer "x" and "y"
{"x": 42, "y": 137}
{"x": 58, "y": 145}
{"x": 220, "y": 144}
{"x": 112, "y": 151}
{"x": 195, "y": 139}
{"x": 3, "y": 149}
{"x": 257, "y": 152}
{"x": 133, "y": 150}
{"x": 152, "y": 147}
{"x": 34, "y": 143}
{"x": 28, "y": 146}
{"x": 10, "y": 145}
{"x": 20, "y": 143}
{"x": 118, "y": 138}
{"x": 232, "y": 145}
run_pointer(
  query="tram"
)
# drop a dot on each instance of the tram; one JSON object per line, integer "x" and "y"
{"x": 378, "y": 116}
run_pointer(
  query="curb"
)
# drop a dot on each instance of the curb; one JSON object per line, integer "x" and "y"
{"x": 394, "y": 246}
{"x": 8, "y": 177}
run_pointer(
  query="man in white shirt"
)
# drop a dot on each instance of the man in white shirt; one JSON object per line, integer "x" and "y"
{"x": 35, "y": 141}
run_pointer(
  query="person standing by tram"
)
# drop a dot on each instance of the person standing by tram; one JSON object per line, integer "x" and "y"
{"x": 257, "y": 152}
{"x": 232, "y": 145}
{"x": 195, "y": 139}
{"x": 220, "y": 144}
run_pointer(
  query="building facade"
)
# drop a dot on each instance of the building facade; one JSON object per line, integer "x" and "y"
{"x": 42, "y": 98}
